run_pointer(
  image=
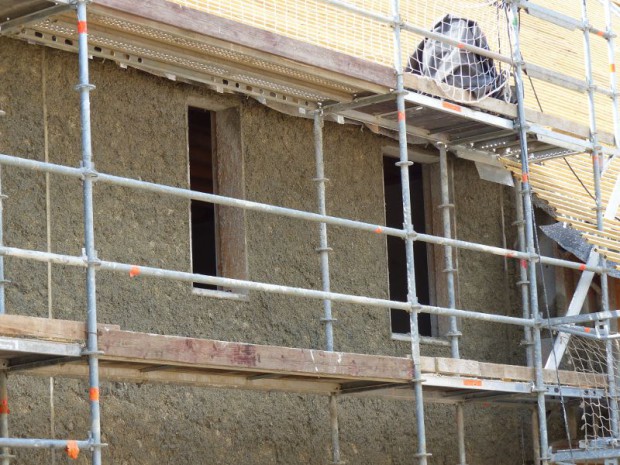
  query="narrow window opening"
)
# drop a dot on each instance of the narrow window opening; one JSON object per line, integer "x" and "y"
{"x": 397, "y": 261}
{"x": 202, "y": 179}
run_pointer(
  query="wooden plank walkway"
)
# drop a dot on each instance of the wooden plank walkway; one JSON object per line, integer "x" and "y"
{"x": 153, "y": 358}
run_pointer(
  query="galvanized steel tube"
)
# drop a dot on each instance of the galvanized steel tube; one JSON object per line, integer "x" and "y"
{"x": 323, "y": 251}
{"x": 597, "y": 165}
{"x": 84, "y": 87}
{"x": 26, "y": 443}
{"x": 4, "y": 399}
{"x": 323, "y": 248}
{"x": 4, "y": 416}
{"x": 2, "y": 277}
{"x": 529, "y": 232}
{"x": 445, "y": 206}
{"x": 612, "y": 354}
{"x": 145, "y": 271}
{"x": 523, "y": 283}
{"x": 454, "y": 333}
{"x": 35, "y": 165}
{"x": 412, "y": 297}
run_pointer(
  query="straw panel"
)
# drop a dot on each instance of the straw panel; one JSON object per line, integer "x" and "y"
{"x": 567, "y": 186}
{"x": 543, "y": 43}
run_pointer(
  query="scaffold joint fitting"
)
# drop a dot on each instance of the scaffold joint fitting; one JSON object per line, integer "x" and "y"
{"x": 84, "y": 87}
{"x": 324, "y": 249}
{"x": 411, "y": 234}
{"x": 91, "y": 261}
{"x": 88, "y": 353}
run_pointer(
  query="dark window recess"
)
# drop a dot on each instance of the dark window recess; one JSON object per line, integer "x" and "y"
{"x": 201, "y": 178}
{"x": 397, "y": 262}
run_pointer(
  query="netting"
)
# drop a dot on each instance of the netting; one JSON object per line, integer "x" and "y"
{"x": 588, "y": 359}
{"x": 463, "y": 75}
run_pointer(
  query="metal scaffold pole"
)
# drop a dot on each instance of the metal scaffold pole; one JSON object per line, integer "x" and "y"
{"x": 323, "y": 251}
{"x": 597, "y": 167}
{"x": 5, "y": 456}
{"x": 84, "y": 88}
{"x": 404, "y": 163}
{"x": 528, "y": 213}
{"x": 612, "y": 352}
{"x": 523, "y": 285}
{"x": 454, "y": 333}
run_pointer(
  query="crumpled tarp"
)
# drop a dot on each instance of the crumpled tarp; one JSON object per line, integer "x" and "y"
{"x": 571, "y": 240}
{"x": 455, "y": 66}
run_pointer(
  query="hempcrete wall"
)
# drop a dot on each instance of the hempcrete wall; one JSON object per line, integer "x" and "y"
{"x": 139, "y": 130}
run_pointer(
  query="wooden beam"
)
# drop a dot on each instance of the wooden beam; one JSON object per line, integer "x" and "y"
{"x": 209, "y": 25}
{"x": 182, "y": 355}
{"x": 45, "y": 328}
{"x": 172, "y": 350}
{"x": 213, "y": 380}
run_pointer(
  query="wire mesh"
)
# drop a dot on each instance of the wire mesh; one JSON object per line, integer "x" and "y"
{"x": 461, "y": 74}
{"x": 588, "y": 359}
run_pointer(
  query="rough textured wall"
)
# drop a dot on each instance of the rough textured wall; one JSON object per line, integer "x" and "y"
{"x": 139, "y": 131}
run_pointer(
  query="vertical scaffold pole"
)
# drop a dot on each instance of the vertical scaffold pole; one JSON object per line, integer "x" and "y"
{"x": 4, "y": 413}
{"x": 449, "y": 270}
{"x": 412, "y": 298}
{"x": 5, "y": 457}
{"x": 323, "y": 251}
{"x": 611, "y": 48}
{"x": 84, "y": 88}
{"x": 597, "y": 166}
{"x": 2, "y": 277}
{"x": 523, "y": 284}
{"x": 528, "y": 213}
{"x": 454, "y": 333}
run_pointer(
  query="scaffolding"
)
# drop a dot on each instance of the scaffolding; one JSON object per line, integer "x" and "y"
{"x": 538, "y": 390}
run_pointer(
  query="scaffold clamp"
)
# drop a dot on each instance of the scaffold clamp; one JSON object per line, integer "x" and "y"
{"x": 88, "y": 87}
{"x": 87, "y": 352}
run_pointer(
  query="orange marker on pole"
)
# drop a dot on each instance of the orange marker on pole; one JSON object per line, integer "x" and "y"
{"x": 82, "y": 27}
{"x": 4, "y": 407}
{"x": 72, "y": 450}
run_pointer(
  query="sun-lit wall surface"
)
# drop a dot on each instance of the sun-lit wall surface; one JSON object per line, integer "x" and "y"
{"x": 543, "y": 43}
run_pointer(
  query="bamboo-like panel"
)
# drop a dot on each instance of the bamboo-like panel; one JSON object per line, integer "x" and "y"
{"x": 567, "y": 186}
{"x": 543, "y": 43}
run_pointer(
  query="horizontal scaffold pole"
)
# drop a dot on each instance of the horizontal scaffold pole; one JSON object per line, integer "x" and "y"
{"x": 135, "y": 271}
{"x": 26, "y": 443}
{"x": 35, "y": 165}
